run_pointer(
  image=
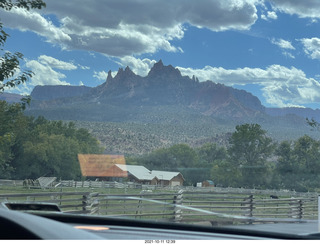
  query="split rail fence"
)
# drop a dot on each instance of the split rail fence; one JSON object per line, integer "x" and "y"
{"x": 183, "y": 206}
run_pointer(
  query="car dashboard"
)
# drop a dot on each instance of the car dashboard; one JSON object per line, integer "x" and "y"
{"x": 63, "y": 226}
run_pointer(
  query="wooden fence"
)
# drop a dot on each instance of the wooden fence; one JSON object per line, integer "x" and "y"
{"x": 183, "y": 206}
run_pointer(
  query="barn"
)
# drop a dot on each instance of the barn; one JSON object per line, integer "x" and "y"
{"x": 114, "y": 168}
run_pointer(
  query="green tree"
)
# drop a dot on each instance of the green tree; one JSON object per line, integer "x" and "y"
{"x": 286, "y": 168}
{"x": 307, "y": 158}
{"x": 225, "y": 174}
{"x": 210, "y": 152}
{"x": 10, "y": 62}
{"x": 209, "y": 155}
{"x": 50, "y": 148}
{"x": 298, "y": 164}
{"x": 12, "y": 122}
{"x": 248, "y": 153}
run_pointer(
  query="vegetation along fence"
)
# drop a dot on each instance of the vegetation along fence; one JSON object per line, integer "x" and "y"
{"x": 183, "y": 206}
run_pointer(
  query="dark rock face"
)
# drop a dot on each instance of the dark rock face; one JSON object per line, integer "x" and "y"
{"x": 301, "y": 112}
{"x": 163, "y": 86}
{"x": 11, "y": 98}
{"x": 55, "y": 92}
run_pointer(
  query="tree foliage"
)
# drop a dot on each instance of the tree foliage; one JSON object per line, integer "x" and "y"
{"x": 299, "y": 164}
{"x": 249, "y": 151}
{"x": 10, "y": 73}
{"x": 30, "y": 148}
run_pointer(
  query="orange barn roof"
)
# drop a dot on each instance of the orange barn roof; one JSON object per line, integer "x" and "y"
{"x": 98, "y": 165}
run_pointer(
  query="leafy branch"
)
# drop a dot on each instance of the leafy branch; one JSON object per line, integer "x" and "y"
{"x": 10, "y": 62}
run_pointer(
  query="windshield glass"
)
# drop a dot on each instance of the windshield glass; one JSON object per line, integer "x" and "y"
{"x": 193, "y": 112}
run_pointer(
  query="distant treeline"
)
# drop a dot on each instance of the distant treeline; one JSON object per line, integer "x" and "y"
{"x": 251, "y": 160}
{"x": 33, "y": 147}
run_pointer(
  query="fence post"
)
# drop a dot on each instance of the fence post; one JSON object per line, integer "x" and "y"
{"x": 84, "y": 202}
{"x": 94, "y": 203}
{"x": 251, "y": 207}
{"x": 318, "y": 212}
{"x": 300, "y": 209}
{"x": 177, "y": 212}
{"x": 139, "y": 207}
{"x": 295, "y": 208}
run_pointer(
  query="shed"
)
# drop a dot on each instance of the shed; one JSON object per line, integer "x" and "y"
{"x": 207, "y": 183}
{"x": 166, "y": 178}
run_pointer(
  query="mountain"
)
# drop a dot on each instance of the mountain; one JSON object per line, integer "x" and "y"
{"x": 301, "y": 112}
{"x": 58, "y": 91}
{"x": 164, "y": 86}
{"x": 164, "y": 95}
{"x": 132, "y": 114}
{"x": 10, "y": 97}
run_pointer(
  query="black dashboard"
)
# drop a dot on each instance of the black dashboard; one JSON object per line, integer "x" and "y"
{"x": 61, "y": 226}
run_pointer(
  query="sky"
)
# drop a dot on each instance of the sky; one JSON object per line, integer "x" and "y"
{"x": 270, "y": 48}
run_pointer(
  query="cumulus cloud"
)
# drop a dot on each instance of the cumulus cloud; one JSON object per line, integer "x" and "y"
{"x": 55, "y": 63}
{"x": 44, "y": 73}
{"x": 282, "y": 43}
{"x": 312, "y": 47}
{"x": 33, "y": 21}
{"x": 138, "y": 66}
{"x": 282, "y": 86}
{"x": 270, "y": 15}
{"x": 302, "y": 8}
{"x": 122, "y": 28}
{"x": 101, "y": 75}
{"x": 285, "y": 45}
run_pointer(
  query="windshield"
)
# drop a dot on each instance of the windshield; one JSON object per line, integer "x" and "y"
{"x": 194, "y": 112}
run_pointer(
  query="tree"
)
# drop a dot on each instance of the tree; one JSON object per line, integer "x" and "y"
{"x": 298, "y": 164}
{"x": 286, "y": 167}
{"x": 225, "y": 174}
{"x": 10, "y": 62}
{"x": 50, "y": 148}
{"x": 249, "y": 151}
{"x": 12, "y": 121}
{"x": 210, "y": 155}
{"x": 210, "y": 152}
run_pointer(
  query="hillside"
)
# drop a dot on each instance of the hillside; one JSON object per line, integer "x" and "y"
{"x": 10, "y": 97}
{"x": 56, "y": 92}
{"x": 133, "y": 114}
{"x": 163, "y": 86}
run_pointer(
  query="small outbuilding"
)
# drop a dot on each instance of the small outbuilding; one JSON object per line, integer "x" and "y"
{"x": 166, "y": 178}
{"x": 207, "y": 183}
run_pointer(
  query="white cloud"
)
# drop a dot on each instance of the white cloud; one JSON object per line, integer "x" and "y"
{"x": 270, "y": 15}
{"x": 302, "y": 8}
{"x": 33, "y": 21}
{"x": 286, "y": 45}
{"x": 55, "y": 63}
{"x": 44, "y": 74}
{"x": 101, "y": 75}
{"x": 138, "y": 66}
{"x": 282, "y": 86}
{"x": 282, "y": 43}
{"x": 312, "y": 47}
{"x": 288, "y": 55}
{"x": 83, "y": 67}
{"x": 122, "y": 28}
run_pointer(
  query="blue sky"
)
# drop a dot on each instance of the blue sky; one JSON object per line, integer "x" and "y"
{"x": 270, "y": 48}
